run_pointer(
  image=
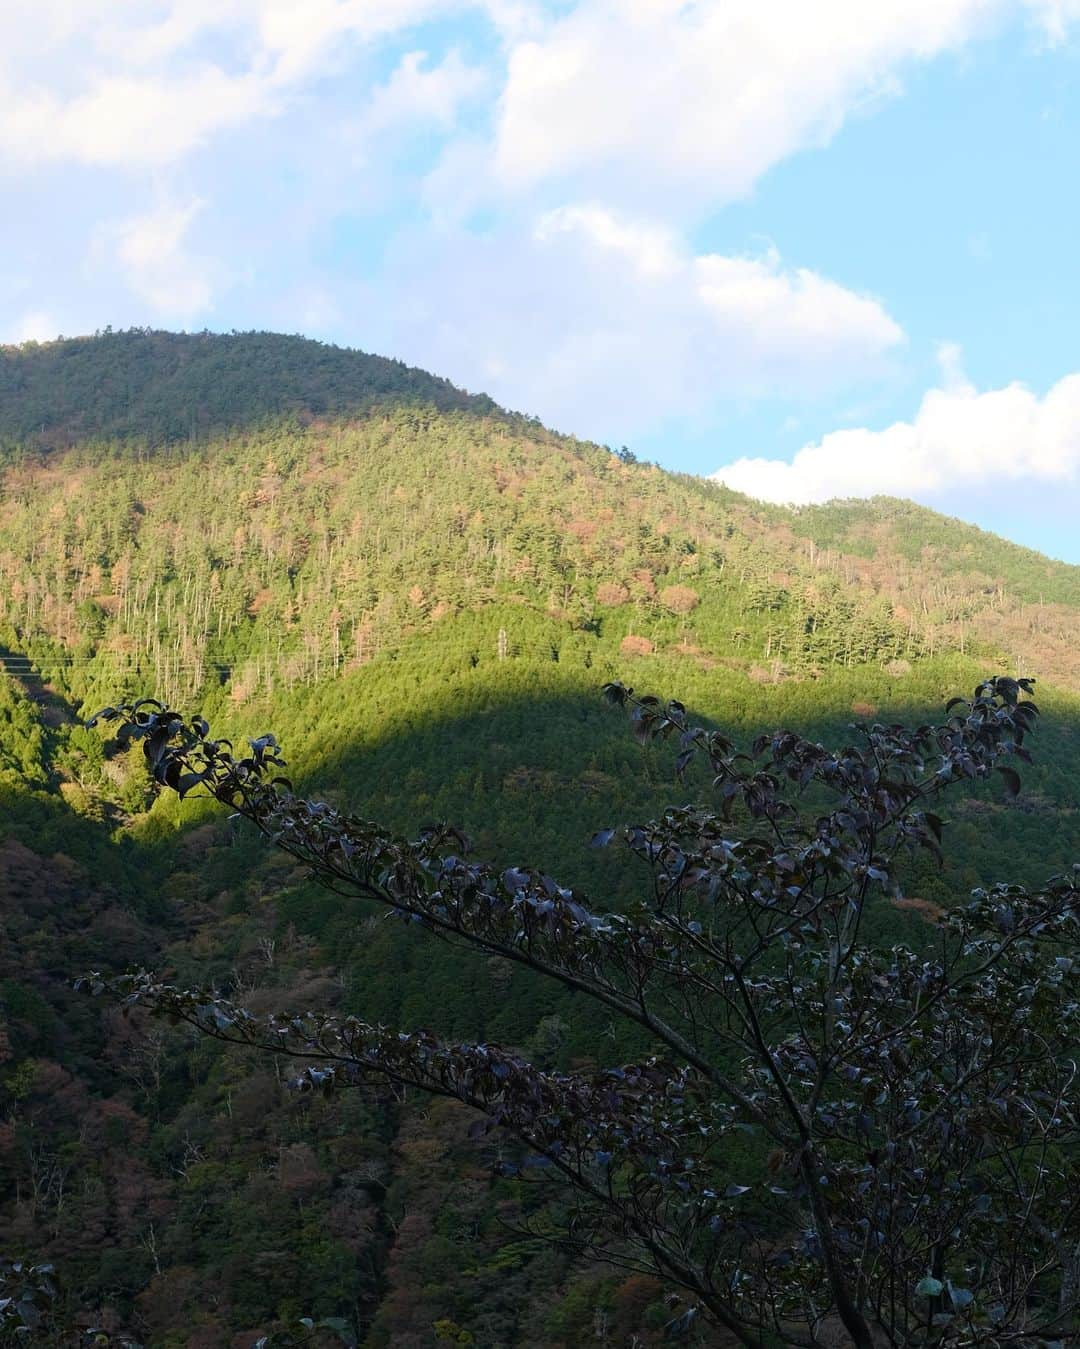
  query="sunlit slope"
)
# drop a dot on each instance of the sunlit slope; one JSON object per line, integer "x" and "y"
{"x": 286, "y": 547}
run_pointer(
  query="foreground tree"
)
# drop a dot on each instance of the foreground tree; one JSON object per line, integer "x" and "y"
{"x": 912, "y": 1118}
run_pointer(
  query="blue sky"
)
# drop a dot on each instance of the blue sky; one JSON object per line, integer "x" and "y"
{"x": 821, "y": 250}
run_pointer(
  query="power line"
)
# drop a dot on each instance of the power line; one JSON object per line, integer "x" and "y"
{"x": 22, "y": 665}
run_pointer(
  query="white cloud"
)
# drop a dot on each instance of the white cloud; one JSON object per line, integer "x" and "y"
{"x": 110, "y": 83}
{"x": 127, "y": 121}
{"x": 36, "y": 325}
{"x": 696, "y": 100}
{"x": 649, "y": 250}
{"x": 1055, "y": 17}
{"x": 607, "y": 325}
{"x": 151, "y": 249}
{"x": 780, "y": 322}
{"x": 701, "y": 94}
{"x": 299, "y": 39}
{"x": 600, "y": 317}
{"x": 415, "y": 93}
{"x": 959, "y": 439}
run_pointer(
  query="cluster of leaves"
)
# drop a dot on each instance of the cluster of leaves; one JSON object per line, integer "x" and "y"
{"x": 907, "y": 1107}
{"x": 29, "y": 1295}
{"x": 31, "y": 1314}
{"x": 309, "y": 1331}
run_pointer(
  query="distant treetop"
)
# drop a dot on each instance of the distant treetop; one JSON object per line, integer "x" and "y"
{"x": 159, "y": 388}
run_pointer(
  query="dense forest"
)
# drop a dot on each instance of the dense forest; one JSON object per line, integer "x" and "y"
{"x": 421, "y": 595}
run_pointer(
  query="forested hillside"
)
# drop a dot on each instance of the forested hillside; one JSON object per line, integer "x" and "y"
{"x": 421, "y": 595}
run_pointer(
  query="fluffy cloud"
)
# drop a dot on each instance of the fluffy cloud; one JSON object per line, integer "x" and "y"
{"x": 126, "y": 121}
{"x": 117, "y": 84}
{"x": 36, "y": 325}
{"x": 959, "y": 439}
{"x": 157, "y": 264}
{"x": 757, "y": 322}
{"x": 420, "y": 94}
{"x": 606, "y": 324}
{"x": 705, "y": 97}
{"x": 414, "y": 200}
{"x": 1055, "y": 16}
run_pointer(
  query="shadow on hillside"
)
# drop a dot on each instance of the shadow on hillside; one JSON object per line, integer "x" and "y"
{"x": 158, "y": 388}
{"x": 531, "y": 779}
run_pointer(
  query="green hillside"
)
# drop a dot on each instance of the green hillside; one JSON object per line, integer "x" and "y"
{"x": 421, "y": 595}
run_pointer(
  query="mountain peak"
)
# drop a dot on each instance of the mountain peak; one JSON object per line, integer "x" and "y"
{"x": 160, "y": 388}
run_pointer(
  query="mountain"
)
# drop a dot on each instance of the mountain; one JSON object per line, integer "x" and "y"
{"x": 255, "y": 496}
{"x": 421, "y": 594}
{"x": 158, "y": 389}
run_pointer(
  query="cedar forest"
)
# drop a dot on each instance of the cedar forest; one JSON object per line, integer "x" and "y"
{"x": 421, "y": 596}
